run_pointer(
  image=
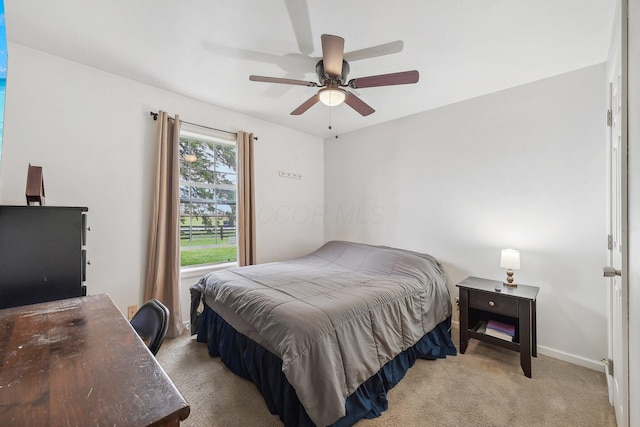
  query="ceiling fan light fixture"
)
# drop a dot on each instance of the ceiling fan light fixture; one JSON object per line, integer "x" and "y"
{"x": 332, "y": 96}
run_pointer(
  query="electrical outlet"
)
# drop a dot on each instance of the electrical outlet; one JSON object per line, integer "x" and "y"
{"x": 131, "y": 311}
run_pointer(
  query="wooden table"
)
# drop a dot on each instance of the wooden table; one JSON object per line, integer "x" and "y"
{"x": 78, "y": 362}
{"x": 479, "y": 301}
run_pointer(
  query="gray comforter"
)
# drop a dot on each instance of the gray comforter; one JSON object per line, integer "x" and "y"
{"x": 335, "y": 316}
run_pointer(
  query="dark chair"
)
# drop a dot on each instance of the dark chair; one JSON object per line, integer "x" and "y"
{"x": 151, "y": 322}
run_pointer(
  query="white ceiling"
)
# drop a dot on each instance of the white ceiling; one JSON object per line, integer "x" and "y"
{"x": 206, "y": 49}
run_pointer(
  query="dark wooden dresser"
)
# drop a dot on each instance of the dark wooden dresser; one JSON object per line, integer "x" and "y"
{"x": 42, "y": 254}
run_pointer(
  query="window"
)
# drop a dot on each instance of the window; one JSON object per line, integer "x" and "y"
{"x": 208, "y": 183}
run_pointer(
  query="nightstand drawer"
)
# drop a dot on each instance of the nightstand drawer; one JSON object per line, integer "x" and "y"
{"x": 493, "y": 303}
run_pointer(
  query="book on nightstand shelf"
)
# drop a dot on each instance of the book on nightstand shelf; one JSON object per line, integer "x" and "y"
{"x": 500, "y": 330}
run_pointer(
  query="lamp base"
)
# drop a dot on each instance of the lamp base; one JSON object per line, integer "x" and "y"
{"x": 509, "y": 281}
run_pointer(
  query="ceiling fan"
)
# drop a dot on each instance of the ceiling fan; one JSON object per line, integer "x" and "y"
{"x": 332, "y": 71}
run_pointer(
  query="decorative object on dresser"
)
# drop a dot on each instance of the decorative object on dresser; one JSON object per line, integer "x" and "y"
{"x": 510, "y": 259}
{"x": 506, "y": 319}
{"x": 35, "y": 185}
{"x": 42, "y": 254}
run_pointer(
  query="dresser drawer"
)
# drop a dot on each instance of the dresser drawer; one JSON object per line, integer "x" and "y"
{"x": 494, "y": 303}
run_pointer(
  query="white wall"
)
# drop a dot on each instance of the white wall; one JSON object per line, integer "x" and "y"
{"x": 92, "y": 133}
{"x": 522, "y": 168}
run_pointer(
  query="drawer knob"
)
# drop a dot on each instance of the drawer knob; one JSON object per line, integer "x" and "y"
{"x": 491, "y": 303}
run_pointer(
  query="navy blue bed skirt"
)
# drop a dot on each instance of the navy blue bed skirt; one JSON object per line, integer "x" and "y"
{"x": 251, "y": 361}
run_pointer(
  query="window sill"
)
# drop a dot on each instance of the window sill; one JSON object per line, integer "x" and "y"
{"x": 201, "y": 270}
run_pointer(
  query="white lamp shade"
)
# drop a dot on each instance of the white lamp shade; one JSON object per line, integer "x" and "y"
{"x": 510, "y": 259}
{"x": 332, "y": 97}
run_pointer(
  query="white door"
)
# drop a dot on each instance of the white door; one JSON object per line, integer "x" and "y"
{"x": 618, "y": 379}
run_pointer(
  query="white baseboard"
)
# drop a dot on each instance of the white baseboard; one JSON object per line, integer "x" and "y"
{"x": 596, "y": 365}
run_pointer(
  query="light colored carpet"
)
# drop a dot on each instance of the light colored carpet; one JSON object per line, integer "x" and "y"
{"x": 483, "y": 387}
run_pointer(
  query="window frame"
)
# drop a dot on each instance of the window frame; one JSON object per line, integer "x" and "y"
{"x": 219, "y": 138}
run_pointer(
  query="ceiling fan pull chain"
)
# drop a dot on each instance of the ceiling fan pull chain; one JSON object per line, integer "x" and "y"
{"x": 330, "y": 116}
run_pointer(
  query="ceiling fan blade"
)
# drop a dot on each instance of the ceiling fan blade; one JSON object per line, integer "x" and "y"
{"x": 374, "y": 51}
{"x": 358, "y": 104}
{"x": 280, "y": 80}
{"x": 332, "y": 52}
{"x": 306, "y": 105}
{"x": 277, "y": 91}
{"x": 402, "y": 78}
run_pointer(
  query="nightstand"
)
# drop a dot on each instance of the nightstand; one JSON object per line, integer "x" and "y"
{"x": 516, "y": 305}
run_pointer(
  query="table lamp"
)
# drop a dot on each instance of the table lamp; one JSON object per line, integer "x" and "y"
{"x": 510, "y": 259}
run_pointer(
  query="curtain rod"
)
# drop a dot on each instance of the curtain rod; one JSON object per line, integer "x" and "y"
{"x": 155, "y": 117}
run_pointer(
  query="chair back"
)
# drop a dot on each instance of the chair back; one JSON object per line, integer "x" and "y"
{"x": 151, "y": 322}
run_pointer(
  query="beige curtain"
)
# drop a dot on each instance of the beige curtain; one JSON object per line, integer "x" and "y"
{"x": 246, "y": 201}
{"x": 163, "y": 266}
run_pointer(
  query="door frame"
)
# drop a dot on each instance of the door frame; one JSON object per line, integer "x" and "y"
{"x": 621, "y": 28}
{"x": 624, "y": 147}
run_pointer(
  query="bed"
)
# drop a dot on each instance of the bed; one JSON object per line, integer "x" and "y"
{"x": 325, "y": 336}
